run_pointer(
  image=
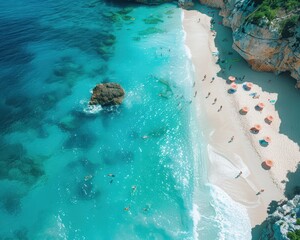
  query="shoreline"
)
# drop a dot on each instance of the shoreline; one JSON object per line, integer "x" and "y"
{"x": 226, "y": 160}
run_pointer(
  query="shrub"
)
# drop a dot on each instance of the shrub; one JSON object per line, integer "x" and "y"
{"x": 294, "y": 235}
{"x": 269, "y": 8}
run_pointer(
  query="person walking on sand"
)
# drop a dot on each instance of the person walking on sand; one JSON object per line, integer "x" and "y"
{"x": 208, "y": 95}
{"x": 215, "y": 100}
{"x": 194, "y": 84}
{"x": 240, "y": 173}
{"x": 204, "y": 77}
{"x": 231, "y": 139}
{"x": 212, "y": 79}
{"x": 195, "y": 94}
{"x": 260, "y": 192}
{"x": 220, "y": 108}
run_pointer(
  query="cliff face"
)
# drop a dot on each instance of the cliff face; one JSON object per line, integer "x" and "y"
{"x": 266, "y": 45}
{"x": 284, "y": 222}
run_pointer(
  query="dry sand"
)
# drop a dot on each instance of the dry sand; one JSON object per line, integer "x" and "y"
{"x": 244, "y": 153}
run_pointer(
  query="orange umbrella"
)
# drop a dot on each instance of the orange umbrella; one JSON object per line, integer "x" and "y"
{"x": 231, "y": 78}
{"x": 270, "y": 118}
{"x": 257, "y": 127}
{"x": 233, "y": 86}
{"x": 249, "y": 85}
{"x": 261, "y": 105}
{"x": 245, "y": 109}
{"x": 269, "y": 163}
{"x": 267, "y": 139}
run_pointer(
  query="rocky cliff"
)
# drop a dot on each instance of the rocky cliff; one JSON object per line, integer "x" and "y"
{"x": 284, "y": 223}
{"x": 269, "y": 39}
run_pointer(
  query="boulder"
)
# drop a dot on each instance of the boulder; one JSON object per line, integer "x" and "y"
{"x": 107, "y": 94}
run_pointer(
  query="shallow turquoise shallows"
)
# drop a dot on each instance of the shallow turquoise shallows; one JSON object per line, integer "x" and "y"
{"x": 68, "y": 171}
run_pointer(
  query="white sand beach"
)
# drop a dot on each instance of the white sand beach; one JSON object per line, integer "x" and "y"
{"x": 244, "y": 153}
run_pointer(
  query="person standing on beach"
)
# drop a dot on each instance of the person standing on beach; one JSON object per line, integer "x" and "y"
{"x": 239, "y": 174}
{"x": 194, "y": 84}
{"x": 195, "y": 94}
{"x": 215, "y": 100}
{"x": 231, "y": 139}
{"x": 208, "y": 95}
{"x": 220, "y": 108}
{"x": 212, "y": 79}
{"x": 261, "y": 191}
{"x": 204, "y": 77}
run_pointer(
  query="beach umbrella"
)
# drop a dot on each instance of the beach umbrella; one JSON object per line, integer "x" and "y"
{"x": 245, "y": 109}
{"x": 269, "y": 163}
{"x": 257, "y": 127}
{"x": 261, "y": 105}
{"x": 248, "y": 85}
{"x": 231, "y": 78}
{"x": 269, "y": 118}
{"x": 233, "y": 86}
{"x": 267, "y": 139}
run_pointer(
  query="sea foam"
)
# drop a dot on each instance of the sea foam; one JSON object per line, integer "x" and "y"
{"x": 231, "y": 217}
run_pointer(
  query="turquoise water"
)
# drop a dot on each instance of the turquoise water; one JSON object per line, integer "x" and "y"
{"x": 58, "y": 155}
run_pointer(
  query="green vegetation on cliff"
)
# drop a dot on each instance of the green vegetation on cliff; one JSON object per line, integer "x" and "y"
{"x": 271, "y": 9}
{"x": 294, "y": 235}
{"x": 289, "y": 5}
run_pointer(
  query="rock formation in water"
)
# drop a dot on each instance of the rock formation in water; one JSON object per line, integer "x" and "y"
{"x": 107, "y": 94}
{"x": 284, "y": 223}
{"x": 265, "y": 33}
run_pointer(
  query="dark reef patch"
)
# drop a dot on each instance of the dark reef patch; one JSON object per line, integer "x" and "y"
{"x": 11, "y": 203}
{"x": 15, "y": 165}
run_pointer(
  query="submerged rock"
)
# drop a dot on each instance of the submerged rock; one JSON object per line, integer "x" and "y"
{"x": 152, "y": 20}
{"x": 107, "y": 94}
{"x": 151, "y": 30}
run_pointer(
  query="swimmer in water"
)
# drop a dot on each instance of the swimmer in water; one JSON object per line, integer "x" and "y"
{"x": 88, "y": 177}
{"x": 127, "y": 208}
{"x": 133, "y": 188}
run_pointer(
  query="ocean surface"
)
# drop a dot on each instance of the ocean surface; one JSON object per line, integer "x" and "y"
{"x": 69, "y": 171}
